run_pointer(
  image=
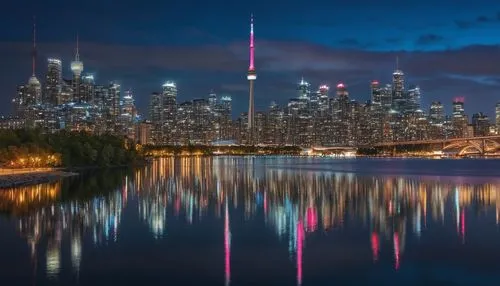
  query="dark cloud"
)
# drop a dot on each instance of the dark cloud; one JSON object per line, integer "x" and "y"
{"x": 429, "y": 39}
{"x": 463, "y": 24}
{"x": 393, "y": 40}
{"x": 480, "y": 20}
{"x": 349, "y": 42}
{"x": 483, "y": 19}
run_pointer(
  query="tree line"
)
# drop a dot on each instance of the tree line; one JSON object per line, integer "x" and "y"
{"x": 31, "y": 148}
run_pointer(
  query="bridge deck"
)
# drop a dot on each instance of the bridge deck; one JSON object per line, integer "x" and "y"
{"x": 437, "y": 141}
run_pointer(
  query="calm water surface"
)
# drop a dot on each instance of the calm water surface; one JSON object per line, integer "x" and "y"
{"x": 258, "y": 221}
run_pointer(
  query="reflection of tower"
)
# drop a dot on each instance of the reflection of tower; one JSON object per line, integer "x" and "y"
{"x": 396, "y": 250}
{"x": 76, "y": 68}
{"x": 252, "y": 76}
{"x": 227, "y": 247}
{"x": 300, "y": 239}
{"x": 312, "y": 219}
{"x": 375, "y": 245}
{"x": 462, "y": 225}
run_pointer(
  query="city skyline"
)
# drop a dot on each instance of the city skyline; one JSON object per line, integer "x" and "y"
{"x": 286, "y": 49}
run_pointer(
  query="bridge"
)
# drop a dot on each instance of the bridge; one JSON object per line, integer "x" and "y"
{"x": 481, "y": 144}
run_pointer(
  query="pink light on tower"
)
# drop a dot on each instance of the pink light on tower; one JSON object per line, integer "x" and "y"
{"x": 252, "y": 66}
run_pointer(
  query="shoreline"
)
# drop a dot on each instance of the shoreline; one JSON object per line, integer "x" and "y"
{"x": 17, "y": 178}
{"x": 10, "y": 178}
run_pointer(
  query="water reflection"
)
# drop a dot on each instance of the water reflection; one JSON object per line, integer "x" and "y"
{"x": 293, "y": 203}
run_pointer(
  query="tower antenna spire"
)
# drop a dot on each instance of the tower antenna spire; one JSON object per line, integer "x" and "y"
{"x": 77, "y": 55}
{"x": 397, "y": 62}
{"x": 33, "y": 53}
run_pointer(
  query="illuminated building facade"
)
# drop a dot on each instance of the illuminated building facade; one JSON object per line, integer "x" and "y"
{"x": 53, "y": 82}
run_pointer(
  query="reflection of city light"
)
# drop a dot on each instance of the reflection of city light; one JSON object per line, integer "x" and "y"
{"x": 53, "y": 261}
{"x": 292, "y": 201}
{"x": 76, "y": 252}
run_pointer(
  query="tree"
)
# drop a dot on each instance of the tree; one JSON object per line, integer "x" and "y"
{"x": 89, "y": 153}
{"x": 107, "y": 154}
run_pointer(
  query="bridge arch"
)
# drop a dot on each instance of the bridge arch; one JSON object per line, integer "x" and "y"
{"x": 463, "y": 150}
{"x": 491, "y": 145}
{"x": 459, "y": 144}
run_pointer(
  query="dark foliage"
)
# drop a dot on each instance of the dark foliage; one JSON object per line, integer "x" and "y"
{"x": 70, "y": 149}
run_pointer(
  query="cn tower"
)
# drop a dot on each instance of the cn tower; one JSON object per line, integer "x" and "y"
{"x": 252, "y": 76}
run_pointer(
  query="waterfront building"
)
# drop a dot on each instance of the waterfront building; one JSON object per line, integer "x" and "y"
{"x": 144, "y": 133}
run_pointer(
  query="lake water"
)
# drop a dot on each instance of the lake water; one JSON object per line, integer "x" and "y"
{"x": 258, "y": 221}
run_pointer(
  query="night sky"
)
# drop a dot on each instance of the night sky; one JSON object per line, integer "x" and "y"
{"x": 449, "y": 48}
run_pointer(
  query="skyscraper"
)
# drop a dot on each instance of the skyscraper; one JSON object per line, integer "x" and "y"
{"x": 155, "y": 111}
{"x": 480, "y": 124}
{"x": 398, "y": 82}
{"x": 497, "y": 117}
{"x": 87, "y": 89}
{"x": 378, "y": 108}
{"x": 386, "y": 97}
{"x": 168, "y": 113}
{"x": 341, "y": 116}
{"x": 252, "y": 76}
{"x": 413, "y": 97}
{"x": 112, "y": 106}
{"x": 212, "y": 99}
{"x": 127, "y": 115}
{"x": 376, "y": 93}
{"x": 323, "y": 98}
{"x": 53, "y": 82}
{"x": 436, "y": 113}
{"x": 459, "y": 119}
{"x": 303, "y": 89}
{"x": 77, "y": 68}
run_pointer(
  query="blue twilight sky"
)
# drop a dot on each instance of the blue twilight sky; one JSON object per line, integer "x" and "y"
{"x": 449, "y": 48}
